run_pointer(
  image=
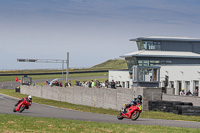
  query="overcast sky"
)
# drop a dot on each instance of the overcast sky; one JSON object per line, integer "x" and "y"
{"x": 92, "y": 31}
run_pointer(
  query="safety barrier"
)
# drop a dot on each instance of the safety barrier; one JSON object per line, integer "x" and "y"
{"x": 176, "y": 107}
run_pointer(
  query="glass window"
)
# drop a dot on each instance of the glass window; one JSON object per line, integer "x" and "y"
{"x": 123, "y": 84}
{"x": 140, "y": 45}
{"x": 143, "y": 62}
{"x": 162, "y": 61}
{"x": 150, "y": 45}
{"x": 127, "y": 84}
{"x": 141, "y": 74}
{"x": 148, "y": 74}
{"x": 172, "y": 84}
{"x": 130, "y": 62}
{"x": 135, "y": 74}
{"x": 168, "y": 61}
{"x": 155, "y": 61}
{"x": 145, "y": 45}
{"x": 155, "y": 74}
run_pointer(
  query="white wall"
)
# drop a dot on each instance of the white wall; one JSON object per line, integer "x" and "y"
{"x": 177, "y": 73}
{"x": 120, "y": 75}
{"x": 181, "y": 73}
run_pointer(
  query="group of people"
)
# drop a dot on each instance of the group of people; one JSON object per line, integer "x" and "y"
{"x": 189, "y": 93}
{"x": 97, "y": 83}
{"x": 60, "y": 84}
{"x": 90, "y": 84}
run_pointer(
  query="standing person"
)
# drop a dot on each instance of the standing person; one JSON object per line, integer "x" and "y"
{"x": 89, "y": 84}
{"x": 182, "y": 92}
{"x": 93, "y": 84}
{"x": 69, "y": 83}
{"x": 60, "y": 84}
{"x": 66, "y": 84}
{"x": 196, "y": 92}
{"x": 188, "y": 93}
{"x": 113, "y": 84}
{"x": 47, "y": 82}
{"x": 56, "y": 83}
{"x": 106, "y": 83}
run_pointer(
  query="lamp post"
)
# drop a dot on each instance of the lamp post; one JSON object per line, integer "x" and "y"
{"x": 67, "y": 70}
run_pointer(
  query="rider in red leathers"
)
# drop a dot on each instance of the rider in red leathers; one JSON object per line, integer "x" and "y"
{"x": 134, "y": 102}
{"x": 29, "y": 99}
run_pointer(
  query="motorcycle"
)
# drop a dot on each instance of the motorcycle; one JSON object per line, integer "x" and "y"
{"x": 132, "y": 112}
{"x": 21, "y": 106}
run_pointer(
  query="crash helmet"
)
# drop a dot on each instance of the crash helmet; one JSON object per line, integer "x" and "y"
{"x": 139, "y": 97}
{"x": 132, "y": 102}
{"x": 30, "y": 97}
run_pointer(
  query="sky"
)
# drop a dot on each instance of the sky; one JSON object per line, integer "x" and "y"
{"x": 92, "y": 31}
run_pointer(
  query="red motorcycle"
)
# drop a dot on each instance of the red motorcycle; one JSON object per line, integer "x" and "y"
{"x": 131, "y": 112}
{"x": 21, "y": 106}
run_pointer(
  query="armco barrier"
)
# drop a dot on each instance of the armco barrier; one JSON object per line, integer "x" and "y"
{"x": 95, "y": 97}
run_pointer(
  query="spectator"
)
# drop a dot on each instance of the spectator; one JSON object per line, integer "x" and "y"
{"x": 93, "y": 84}
{"x": 69, "y": 83}
{"x": 102, "y": 84}
{"x": 188, "y": 93}
{"x": 89, "y": 84}
{"x": 66, "y": 84}
{"x": 97, "y": 84}
{"x": 60, "y": 84}
{"x": 113, "y": 84}
{"x": 47, "y": 82}
{"x": 77, "y": 83}
{"x": 196, "y": 92}
{"x": 33, "y": 83}
{"x": 56, "y": 83}
{"x": 182, "y": 92}
{"x": 119, "y": 85}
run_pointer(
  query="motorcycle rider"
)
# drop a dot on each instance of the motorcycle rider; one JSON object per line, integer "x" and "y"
{"x": 133, "y": 102}
{"x": 29, "y": 99}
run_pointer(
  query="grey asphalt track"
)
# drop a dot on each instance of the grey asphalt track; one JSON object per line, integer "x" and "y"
{"x": 38, "y": 110}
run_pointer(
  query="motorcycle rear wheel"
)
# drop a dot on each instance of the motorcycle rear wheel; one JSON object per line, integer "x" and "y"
{"x": 135, "y": 116}
{"x": 22, "y": 109}
{"x": 119, "y": 116}
{"x": 14, "y": 110}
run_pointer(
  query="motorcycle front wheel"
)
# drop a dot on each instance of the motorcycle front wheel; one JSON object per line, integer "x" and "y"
{"x": 119, "y": 116}
{"x": 22, "y": 108}
{"x": 135, "y": 115}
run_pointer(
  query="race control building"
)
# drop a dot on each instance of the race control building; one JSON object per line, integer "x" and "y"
{"x": 172, "y": 62}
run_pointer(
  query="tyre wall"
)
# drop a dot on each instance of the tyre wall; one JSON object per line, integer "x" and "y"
{"x": 194, "y": 99}
{"x": 96, "y": 97}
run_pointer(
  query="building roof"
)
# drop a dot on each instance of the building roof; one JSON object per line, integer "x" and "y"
{"x": 154, "y": 53}
{"x": 164, "y": 38}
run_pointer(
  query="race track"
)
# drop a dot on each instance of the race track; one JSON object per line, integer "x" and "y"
{"x": 38, "y": 110}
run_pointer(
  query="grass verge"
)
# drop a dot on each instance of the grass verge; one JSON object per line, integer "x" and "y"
{"x": 16, "y": 123}
{"x": 34, "y": 77}
{"x": 144, "y": 114}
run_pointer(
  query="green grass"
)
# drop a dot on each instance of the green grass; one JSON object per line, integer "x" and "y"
{"x": 144, "y": 114}
{"x": 112, "y": 64}
{"x": 109, "y": 64}
{"x": 22, "y": 124}
{"x": 34, "y": 77}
